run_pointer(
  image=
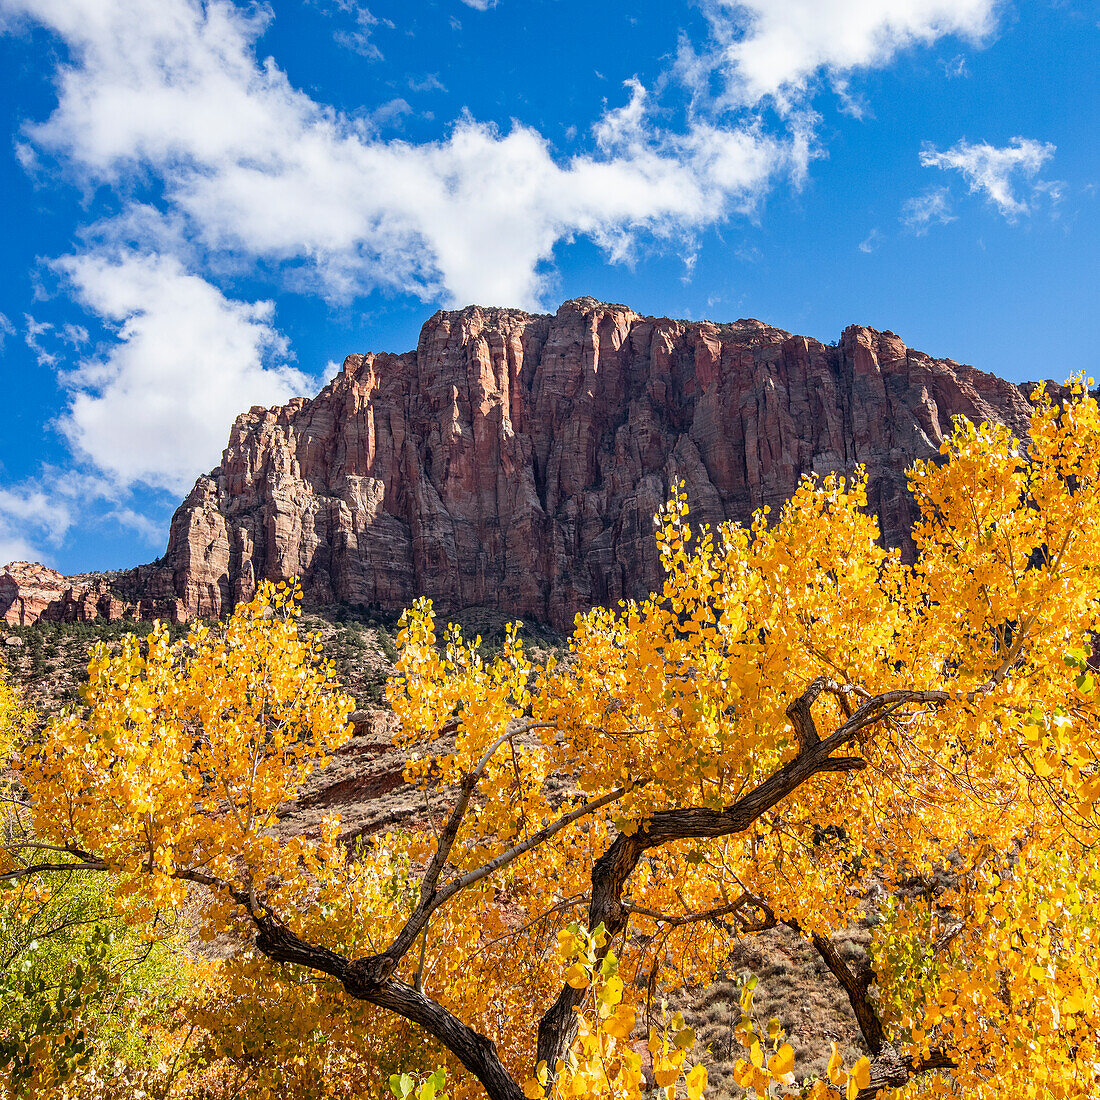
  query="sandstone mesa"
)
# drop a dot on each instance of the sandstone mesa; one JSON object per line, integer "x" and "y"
{"x": 516, "y": 460}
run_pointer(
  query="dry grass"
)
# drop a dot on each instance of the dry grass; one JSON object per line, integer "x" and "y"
{"x": 794, "y": 987}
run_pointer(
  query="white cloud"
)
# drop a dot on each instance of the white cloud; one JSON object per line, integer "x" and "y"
{"x": 74, "y": 335}
{"x": 6, "y": 329}
{"x": 253, "y": 166}
{"x": 360, "y": 40}
{"x": 148, "y": 530}
{"x": 30, "y": 505}
{"x": 481, "y": 5}
{"x": 43, "y": 509}
{"x": 32, "y": 337}
{"x": 776, "y": 48}
{"x": 1054, "y": 190}
{"x": 990, "y": 170}
{"x": 430, "y": 83}
{"x": 956, "y": 68}
{"x": 14, "y": 548}
{"x": 156, "y": 406}
{"x": 391, "y": 114}
{"x": 920, "y": 213}
{"x": 850, "y": 103}
{"x": 42, "y": 518}
{"x": 871, "y": 241}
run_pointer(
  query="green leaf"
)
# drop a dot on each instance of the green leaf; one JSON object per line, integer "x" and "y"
{"x": 684, "y": 1039}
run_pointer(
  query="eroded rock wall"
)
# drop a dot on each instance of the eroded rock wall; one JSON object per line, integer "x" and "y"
{"x": 516, "y": 460}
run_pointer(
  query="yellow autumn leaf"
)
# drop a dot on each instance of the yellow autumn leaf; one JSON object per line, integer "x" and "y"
{"x": 835, "y": 1069}
{"x": 664, "y": 1073}
{"x": 782, "y": 1061}
{"x": 861, "y": 1073}
{"x": 695, "y": 1082}
{"x": 621, "y": 1023}
{"x": 576, "y": 976}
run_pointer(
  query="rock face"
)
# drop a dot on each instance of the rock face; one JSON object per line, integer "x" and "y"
{"x": 27, "y": 589}
{"x": 516, "y": 460}
{"x": 30, "y": 591}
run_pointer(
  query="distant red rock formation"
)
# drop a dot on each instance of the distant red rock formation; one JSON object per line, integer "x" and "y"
{"x": 30, "y": 591}
{"x": 27, "y": 589}
{"x": 516, "y": 461}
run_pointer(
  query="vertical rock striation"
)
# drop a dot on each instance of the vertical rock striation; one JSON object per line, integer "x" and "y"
{"x": 516, "y": 460}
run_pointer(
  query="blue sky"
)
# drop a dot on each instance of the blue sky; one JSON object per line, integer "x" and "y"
{"x": 207, "y": 205}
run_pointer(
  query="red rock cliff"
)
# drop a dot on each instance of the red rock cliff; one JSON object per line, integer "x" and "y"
{"x": 516, "y": 460}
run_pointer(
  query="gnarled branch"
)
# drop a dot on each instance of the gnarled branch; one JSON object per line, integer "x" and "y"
{"x": 615, "y": 866}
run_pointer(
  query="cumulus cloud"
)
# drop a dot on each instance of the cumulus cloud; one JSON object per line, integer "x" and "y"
{"x": 239, "y": 170}
{"x": 16, "y": 548}
{"x": 256, "y": 167}
{"x": 481, "y": 5}
{"x": 37, "y": 514}
{"x": 921, "y": 212}
{"x": 41, "y": 518}
{"x": 992, "y": 171}
{"x": 776, "y": 48}
{"x": 155, "y": 407}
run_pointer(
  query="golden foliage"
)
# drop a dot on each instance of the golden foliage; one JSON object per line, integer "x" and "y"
{"x": 928, "y": 731}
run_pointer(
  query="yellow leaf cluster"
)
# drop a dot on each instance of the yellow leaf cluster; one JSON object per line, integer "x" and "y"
{"x": 188, "y": 750}
{"x": 603, "y": 1062}
{"x": 957, "y": 692}
{"x": 682, "y": 700}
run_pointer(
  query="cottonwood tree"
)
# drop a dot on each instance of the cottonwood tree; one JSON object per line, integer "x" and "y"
{"x": 799, "y": 726}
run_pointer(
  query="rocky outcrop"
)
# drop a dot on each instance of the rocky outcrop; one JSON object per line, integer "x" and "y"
{"x": 30, "y": 591}
{"x": 516, "y": 461}
{"x": 26, "y": 590}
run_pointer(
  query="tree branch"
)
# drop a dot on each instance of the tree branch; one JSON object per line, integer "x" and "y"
{"x": 891, "y": 1069}
{"x": 41, "y": 868}
{"x": 439, "y": 896}
{"x": 88, "y": 862}
{"x": 712, "y": 915}
{"x": 856, "y": 985}
{"x": 474, "y": 1050}
{"x": 614, "y": 867}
